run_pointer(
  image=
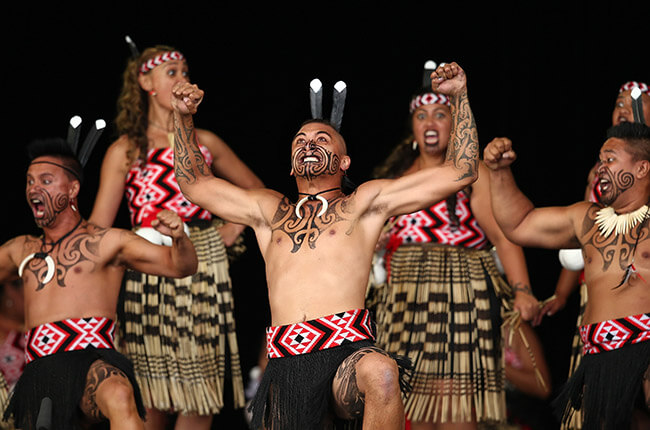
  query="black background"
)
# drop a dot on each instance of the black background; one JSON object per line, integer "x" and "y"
{"x": 545, "y": 74}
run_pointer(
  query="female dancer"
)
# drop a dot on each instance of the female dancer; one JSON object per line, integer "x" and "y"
{"x": 179, "y": 333}
{"x": 442, "y": 283}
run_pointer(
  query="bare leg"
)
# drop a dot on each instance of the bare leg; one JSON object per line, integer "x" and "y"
{"x": 193, "y": 422}
{"x": 367, "y": 385}
{"x": 109, "y": 394}
{"x": 156, "y": 420}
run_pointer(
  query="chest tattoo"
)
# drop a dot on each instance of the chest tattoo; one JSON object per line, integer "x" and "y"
{"x": 310, "y": 227}
{"x": 79, "y": 247}
{"x": 615, "y": 249}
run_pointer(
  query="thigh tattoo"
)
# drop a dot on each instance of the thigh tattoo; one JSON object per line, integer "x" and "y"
{"x": 348, "y": 395}
{"x": 98, "y": 372}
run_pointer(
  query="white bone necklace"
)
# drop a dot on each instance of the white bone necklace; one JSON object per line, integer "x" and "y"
{"x": 44, "y": 255}
{"x": 312, "y": 197}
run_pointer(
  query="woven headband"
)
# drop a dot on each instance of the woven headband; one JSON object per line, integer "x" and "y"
{"x": 634, "y": 84}
{"x": 75, "y": 174}
{"x": 151, "y": 63}
{"x": 428, "y": 99}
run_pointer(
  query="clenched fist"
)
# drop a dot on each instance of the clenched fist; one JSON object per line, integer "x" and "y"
{"x": 499, "y": 153}
{"x": 186, "y": 98}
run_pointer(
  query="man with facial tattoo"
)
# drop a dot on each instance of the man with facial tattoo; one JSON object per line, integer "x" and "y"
{"x": 322, "y": 364}
{"x": 72, "y": 275}
{"x": 611, "y": 385}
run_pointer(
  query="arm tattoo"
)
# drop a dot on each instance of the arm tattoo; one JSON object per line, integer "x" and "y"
{"x": 463, "y": 150}
{"x": 188, "y": 160}
{"x": 520, "y": 286}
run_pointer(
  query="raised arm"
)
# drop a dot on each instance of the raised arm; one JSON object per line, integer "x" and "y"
{"x": 176, "y": 261}
{"x": 520, "y": 221}
{"x": 113, "y": 172}
{"x": 194, "y": 176}
{"x": 511, "y": 255}
{"x": 427, "y": 186}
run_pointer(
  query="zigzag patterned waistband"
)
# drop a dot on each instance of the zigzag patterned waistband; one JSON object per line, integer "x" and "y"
{"x": 69, "y": 335}
{"x": 318, "y": 334}
{"x": 614, "y": 334}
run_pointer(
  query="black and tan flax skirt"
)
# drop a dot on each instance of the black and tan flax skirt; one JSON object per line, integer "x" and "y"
{"x": 575, "y": 422}
{"x": 180, "y": 333}
{"x": 439, "y": 310}
{"x": 4, "y": 397}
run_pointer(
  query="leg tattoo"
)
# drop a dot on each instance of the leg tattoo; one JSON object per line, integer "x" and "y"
{"x": 99, "y": 372}
{"x": 348, "y": 397}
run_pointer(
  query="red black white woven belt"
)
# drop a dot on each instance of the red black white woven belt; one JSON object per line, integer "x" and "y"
{"x": 319, "y": 334}
{"x": 614, "y": 334}
{"x": 69, "y": 335}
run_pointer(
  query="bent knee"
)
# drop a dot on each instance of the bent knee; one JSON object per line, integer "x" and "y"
{"x": 378, "y": 375}
{"x": 115, "y": 397}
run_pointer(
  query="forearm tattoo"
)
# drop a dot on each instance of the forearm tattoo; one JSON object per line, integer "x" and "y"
{"x": 464, "y": 148}
{"x": 614, "y": 248}
{"x": 348, "y": 395}
{"x": 99, "y": 372}
{"x": 82, "y": 245}
{"x": 310, "y": 227}
{"x": 189, "y": 163}
{"x": 521, "y": 287}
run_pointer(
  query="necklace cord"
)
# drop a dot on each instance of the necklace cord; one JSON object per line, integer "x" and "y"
{"x": 54, "y": 244}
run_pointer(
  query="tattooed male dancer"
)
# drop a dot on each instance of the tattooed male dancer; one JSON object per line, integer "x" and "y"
{"x": 615, "y": 242}
{"x": 318, "y": 256}
{"x": 72, "y": 276}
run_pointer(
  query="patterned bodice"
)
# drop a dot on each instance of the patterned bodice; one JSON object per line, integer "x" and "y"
{"x": 433, "y": 225}
{"x": 153, "y": 187}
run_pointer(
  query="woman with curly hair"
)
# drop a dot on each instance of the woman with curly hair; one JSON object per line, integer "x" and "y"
{"x": 179, "y": 333}
{"x": 442, "y": 282}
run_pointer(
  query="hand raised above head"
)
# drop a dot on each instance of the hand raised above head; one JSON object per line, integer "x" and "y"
{"x": 186, "y": 98}
{"x": 449, "y": 79}
{"x": 499, "y": 153}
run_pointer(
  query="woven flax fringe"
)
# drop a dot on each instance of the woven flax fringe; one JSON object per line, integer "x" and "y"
{"x": 4, "y": 397}
{"x": 575, "y": 422}
{"x": 178, "y": 331}
{"x": 436, "y": 311}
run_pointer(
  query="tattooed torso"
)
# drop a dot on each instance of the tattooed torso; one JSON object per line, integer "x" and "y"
{"x": 84, "y": 279}
{"x": 315, "y": 265}
{"x": 305, "y": 232}
{"x": 606, "y": 261}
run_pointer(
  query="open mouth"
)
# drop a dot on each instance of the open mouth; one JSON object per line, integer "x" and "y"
{"x": 38, "y": 208}
{"x": 605, "y": 185}
{"x": 430, "y": 137}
